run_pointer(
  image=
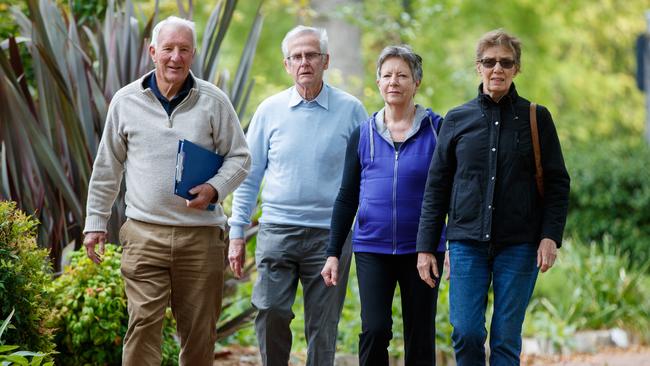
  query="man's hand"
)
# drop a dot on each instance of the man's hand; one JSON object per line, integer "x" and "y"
{"x": 237, "y": 256}
{"x": 546, "y": 254}
{"x": 426, "y": 265}
{"x": 205, "y": 195}
{"x": 330, "y": 271}
{"x": 91, "y": 239}
{"x": 447, "y": 266}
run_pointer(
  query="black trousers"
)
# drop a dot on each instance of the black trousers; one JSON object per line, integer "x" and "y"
{"x": 378, "y": 274}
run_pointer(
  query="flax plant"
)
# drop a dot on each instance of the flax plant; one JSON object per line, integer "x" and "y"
{"x": 56, "y": 82}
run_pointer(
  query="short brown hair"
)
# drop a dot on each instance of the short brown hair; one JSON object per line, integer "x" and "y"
{"x": 499, "y": 37}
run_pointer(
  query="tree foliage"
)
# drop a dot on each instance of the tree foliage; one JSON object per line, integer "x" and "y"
{"x": 577, "y": 58}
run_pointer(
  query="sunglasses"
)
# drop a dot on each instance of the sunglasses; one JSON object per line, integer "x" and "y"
{"x": 489, "y": 63}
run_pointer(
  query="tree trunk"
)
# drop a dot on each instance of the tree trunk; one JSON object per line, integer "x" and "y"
{"x": 346, "y": 66}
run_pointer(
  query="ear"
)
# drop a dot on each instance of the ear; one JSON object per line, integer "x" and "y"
{"x": 152, "y": 53}
{"x": 326, "y": 64}
{"x": 478, "y": 68}
{"x": 516, "y": 71}
{"x": 287, "y": 67}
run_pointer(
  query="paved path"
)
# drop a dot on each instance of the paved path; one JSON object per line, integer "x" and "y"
{"x": 636, "y": 356}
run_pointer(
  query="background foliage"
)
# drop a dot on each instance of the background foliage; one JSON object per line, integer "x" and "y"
{"x": 24, "y": 276}
{"x": 591, "y": 287}
{"x": 90, "y": 313}
{"x": 610, "y": 196}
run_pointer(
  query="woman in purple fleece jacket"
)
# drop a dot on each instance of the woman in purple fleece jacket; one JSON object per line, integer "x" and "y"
{"x": 383, "y": 182}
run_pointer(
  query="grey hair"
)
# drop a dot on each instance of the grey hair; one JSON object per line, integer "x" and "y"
{"x": 320, "y": 33}
{"x": 405, "y": 53}
{"x": 496, "y": 38}
{"x": 176, "y": 22}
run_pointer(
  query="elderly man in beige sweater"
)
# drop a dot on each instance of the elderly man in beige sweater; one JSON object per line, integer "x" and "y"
{"x": 173, "y": 249}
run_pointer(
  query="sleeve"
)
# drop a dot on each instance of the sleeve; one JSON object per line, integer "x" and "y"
{"x": 556, "y": 180}
{"x": 437, "y": 192}
{"x": 245, "y": 197}
{"x": 360, "y": 114}
{"x": 231, "y": 144}
{"x": 108, "y": 170}
{"x": 347, "y": 200}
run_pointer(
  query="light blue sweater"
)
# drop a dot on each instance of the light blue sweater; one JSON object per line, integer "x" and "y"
{"x": 298, "y": 148}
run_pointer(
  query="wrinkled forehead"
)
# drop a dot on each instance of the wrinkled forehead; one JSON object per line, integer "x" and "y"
{"x": 302, "y": 43}
{"x": 177, "y": 34}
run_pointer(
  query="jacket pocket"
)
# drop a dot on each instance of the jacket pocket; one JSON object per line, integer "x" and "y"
{"x": 467, "y": 201}
{"x": 362, "y": 212}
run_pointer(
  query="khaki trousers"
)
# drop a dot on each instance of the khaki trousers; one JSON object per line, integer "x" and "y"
{"x": 178, "y": 265}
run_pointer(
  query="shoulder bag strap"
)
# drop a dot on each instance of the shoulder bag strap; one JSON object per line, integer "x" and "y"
{"x": 539, "y": 173}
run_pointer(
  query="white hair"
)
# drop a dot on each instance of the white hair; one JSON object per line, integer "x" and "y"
{"x": 320, "y": 33}
{"x": 174, "y": 22}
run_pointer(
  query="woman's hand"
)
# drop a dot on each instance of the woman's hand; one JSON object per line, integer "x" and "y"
{"x": 546, "y": 254}
{"x": 426, "y": 265}
{"x": 330, "y": 271}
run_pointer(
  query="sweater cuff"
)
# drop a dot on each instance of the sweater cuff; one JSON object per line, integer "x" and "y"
{"x": 236, "y": 232}
{"x": 95, "y": 224}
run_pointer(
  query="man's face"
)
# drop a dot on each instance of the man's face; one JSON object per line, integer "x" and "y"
{"x": 305, "y": 63}
{"x": 173, "y": 55}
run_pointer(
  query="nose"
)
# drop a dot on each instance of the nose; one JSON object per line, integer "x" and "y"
{"x": 175, "y": 55}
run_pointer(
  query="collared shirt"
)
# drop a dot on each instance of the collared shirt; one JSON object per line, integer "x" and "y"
{"x": 169, "y": 105}
{"x": 298, "y": 148}
{"x": 322, "y": 99}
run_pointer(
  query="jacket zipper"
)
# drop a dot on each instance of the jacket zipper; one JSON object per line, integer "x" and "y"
{"x": 171, "y": 116}
{"x": 395, "y": 199}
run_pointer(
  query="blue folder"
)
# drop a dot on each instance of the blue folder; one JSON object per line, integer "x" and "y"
{"x": 194, "y": 166}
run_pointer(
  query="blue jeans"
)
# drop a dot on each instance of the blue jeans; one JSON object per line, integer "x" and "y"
{"x": 513, "y": 272}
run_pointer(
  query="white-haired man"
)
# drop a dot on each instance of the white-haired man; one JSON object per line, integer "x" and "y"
{"x": 298, "y": 140}
{"x": 173, "y": 249}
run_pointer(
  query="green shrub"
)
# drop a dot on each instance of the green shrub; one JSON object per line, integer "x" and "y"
{"x": 610, "y": 195}
{"x": 91, "y": 313}
{"x": 24, "y": 277}
{"x": 17, "y": 356}
{"x": 591, "y": 287}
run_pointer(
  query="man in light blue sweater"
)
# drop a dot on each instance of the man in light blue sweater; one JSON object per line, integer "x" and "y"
{"x": 297, "y": 140}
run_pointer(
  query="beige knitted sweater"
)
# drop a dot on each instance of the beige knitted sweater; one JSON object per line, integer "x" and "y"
{"x": 140, "y": 143}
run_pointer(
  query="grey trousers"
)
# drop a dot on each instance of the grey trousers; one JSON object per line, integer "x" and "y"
{"x": 285, "y": 255}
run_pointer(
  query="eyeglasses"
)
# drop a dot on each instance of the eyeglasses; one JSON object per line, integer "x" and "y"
{"x": 489, "y": 63}
{"x": 308, "y": 57}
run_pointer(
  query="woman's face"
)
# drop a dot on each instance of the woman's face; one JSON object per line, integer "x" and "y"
{"x": 396, "y": 83}
{"x": 497, "y": 76}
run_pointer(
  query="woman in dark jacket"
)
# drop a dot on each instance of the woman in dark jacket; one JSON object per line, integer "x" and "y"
{"x": 386, "y": 167}
{"x": 501, "y": 230}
